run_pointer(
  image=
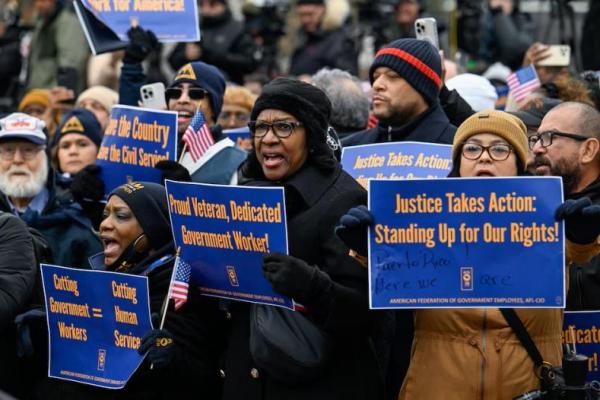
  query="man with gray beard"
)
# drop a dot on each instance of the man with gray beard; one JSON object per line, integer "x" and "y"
{"x": 567, "y": 144}
{"x": 28, "y": 191}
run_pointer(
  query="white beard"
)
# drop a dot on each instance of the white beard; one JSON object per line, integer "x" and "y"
{"x": 21, "y": 188}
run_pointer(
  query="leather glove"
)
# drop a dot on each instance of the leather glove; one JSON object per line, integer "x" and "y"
{"x": 141, "y": 43}
{"x": 582, "y": 219}
{"x": 160, "y": 347}
{"x": 87, "y": 185}
{"x": 289, "y": 276}
{"x": 353, "y": 229}
{"x": 173, "y": 170}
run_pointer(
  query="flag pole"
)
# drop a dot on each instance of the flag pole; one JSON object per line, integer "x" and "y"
{"x": 165, "y": 304}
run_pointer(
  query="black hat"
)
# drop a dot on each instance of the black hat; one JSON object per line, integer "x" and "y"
{"x": 416, "y": 61}
{"x": 302, "y": 100}
{"x": 535, "y": 111}
{"x": 148, "y": 202}
{"x": 301, "y": 2}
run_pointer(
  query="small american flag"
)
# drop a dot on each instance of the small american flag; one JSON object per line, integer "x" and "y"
{"x": 523, "y": 82}
{"x": 178, "y": 289}
{"x": 197, "y": 136}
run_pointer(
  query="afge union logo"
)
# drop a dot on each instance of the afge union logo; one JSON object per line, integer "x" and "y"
{"x": 101, "y": 359}
{"x": 233, "y": 279}
{"x": 466, "y": 278}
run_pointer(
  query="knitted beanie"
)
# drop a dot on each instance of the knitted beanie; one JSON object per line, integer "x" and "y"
{"x": 505, "y": 125}
{"x": 35, "y": 96}
{"x": 416, "y": 61}
{"x": 302, "y": 100}
{"x": 239, "y": 96}
{"x": 148, "y": 202}
{"x": 81, "y": 121}
{"x": 103, "y": 95}
{"x": 207, "y": 77}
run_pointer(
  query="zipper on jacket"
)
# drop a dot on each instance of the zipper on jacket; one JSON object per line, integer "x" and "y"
{"x": 483, "y": 349}
{"x": 389, "y": 134}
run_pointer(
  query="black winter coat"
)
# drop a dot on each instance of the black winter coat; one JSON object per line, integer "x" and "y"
{"x": 17, "y": 277}
{"x": 333, "y": 49}
{"x": 314, "y": 204}
{"x": 432, "y": 126}
{"x": 584, "y": 279}
{"x": 225, "y": 44}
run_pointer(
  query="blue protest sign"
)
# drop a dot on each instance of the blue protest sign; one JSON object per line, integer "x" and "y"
{"x": 398, "y": 160}
{"x": 170, "y": 20}
{"x": 134, "y": 141}
{"x": 223, "y": 232}
{"x": 96, "y": 320}
{"x": 237, "y": 133}
{"x": 466, "y": 242}
{"x": 582, "y": 328}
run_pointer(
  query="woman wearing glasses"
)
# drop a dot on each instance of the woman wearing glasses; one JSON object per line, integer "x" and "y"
{"x": 289, "y": 127}
{"x": 473, "y": 353}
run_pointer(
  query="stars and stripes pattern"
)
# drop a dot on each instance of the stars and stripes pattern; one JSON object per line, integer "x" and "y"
{"x": 197, "y": 136}
{"x": 178, "y": 289}
{"x": 523, "y": 82}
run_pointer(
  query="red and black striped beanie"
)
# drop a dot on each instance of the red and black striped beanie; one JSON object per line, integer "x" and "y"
{"x": 416, "y": 61}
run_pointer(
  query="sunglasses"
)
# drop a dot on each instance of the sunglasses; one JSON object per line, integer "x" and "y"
{"x": 194, "y": 93}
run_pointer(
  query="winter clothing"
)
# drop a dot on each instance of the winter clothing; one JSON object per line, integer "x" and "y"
{"x": 416, "y": 61}
{"x": 105, "y": 96}
{"x": 64, "y": 225}
{"x": 148, "y": 203}
{"x": 535, "y": 111}
{"x": 57, "y": 41}
{"x": 82, "y": 122}
{"x": 432, "y": 127}
{"x": 225, "y": 44}
{"x": 455, "y": 107}
{"x": 304, "y": 101}
{"x": 24, "y": 127}
{"x": 583, "y": 261}
{"x": 239, "y": 96}
{"x": 207, "y": 77}
{"x": 475, "y": 89}
{"x": 505, "y": 125}
{"x": 35, "y": 96}
{"x": 17, "y": 277}
{"x": 336, "y": 301}
{"x": 332, "y": 48}
{"x": 474, "y": 354}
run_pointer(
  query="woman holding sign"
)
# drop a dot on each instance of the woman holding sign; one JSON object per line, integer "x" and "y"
{"x": 182, "y": 355}
{"x": 289, "y": 127}
{"x": 473, "y": 353}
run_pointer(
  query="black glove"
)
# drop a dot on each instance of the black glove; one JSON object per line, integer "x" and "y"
{"x": 582, "y": 219}
{"x": 87, "y": 185}
{"x": 353, "y": 229}
{"x": 160, "y": 347}
{"x": 173, "y": 170}
{"x": 289, "y": 276}
{"x": 141, "y": 43}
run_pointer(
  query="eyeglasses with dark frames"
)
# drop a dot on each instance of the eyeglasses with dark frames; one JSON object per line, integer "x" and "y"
{"x": 497, "y": 151}
{"x": 281, "y": 129}
{"x": 194, "y": 93}
{"x": 545, "y": 138}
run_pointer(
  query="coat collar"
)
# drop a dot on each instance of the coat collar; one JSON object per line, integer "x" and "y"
{"x": 428, "y": 127}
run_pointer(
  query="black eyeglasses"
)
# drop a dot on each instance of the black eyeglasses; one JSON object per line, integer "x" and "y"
{"x": 497, "y": 152}
{"x": 281, "y": 129}
{"x": 545, "y": 138}
{"x": 194, "y": 93}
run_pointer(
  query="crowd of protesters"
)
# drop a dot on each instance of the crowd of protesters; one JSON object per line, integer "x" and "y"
{"x": 303, "y": 99}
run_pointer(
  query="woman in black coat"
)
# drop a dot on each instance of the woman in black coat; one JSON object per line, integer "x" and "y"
{"x": 290, "y": 131}
{"x": 182, "y": 357}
